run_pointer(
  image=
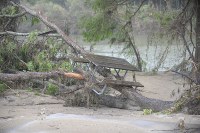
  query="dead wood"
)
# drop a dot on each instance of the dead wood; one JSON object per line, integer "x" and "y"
{"x": 130, "y": 98}
{"x": 35, "y": 75}
{"x": 144, "y": 102}
{"x": 74, "y": 75}
{"x": 120, "y": 102}
{"x": 27, "y": 34}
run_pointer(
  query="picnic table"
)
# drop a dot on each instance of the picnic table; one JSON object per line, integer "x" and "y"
{"x": 100, "y": 61}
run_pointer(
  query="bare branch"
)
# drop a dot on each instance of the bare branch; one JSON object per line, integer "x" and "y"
{"x": 129, "y": 22}
{"x": 184, "y": 9}
{"x": 26, "y": 34}
{"x": 186, "y": 45}
{"x": 186, "y": 76}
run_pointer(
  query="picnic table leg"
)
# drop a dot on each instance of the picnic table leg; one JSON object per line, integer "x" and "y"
{"x": 74, "y": 64}
{"x": 125, "y": 74}
{"x": 117, "y": 72}
{"x": 102, "y": 91}
{"x": 87, "y": 67}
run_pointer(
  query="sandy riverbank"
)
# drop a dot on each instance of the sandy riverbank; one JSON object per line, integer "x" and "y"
{"x": 22, "y": 111}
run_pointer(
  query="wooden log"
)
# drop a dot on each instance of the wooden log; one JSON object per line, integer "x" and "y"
{"x": 144, "y": 102}
{"x": 35, "y": 75}
{"x": 74, "y": 75}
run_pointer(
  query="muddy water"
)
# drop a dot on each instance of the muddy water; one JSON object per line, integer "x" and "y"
{"x": 151, "y": 51}
{"x": 64, "y": 123}
{"x": 150, "y": 55}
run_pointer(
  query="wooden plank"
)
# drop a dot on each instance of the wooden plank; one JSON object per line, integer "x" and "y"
{"x": 121, "y": 83}
{"x": 80, "y": 60}
{"x": 110, "y": 62}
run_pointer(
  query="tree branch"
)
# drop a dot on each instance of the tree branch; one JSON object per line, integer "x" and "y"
{"x": 26, "y": 34}
{"x": 186, "y": 76}
{"x": 134, "y": 13}
{"x": 62, "y": 88}
{"x": 68, "y": 40}
{"x": 13, "y": 16}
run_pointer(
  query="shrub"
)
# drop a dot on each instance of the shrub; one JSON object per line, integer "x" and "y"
{"x": 147, "y": 111}
{"x": 3, "y": 88}
{"x": 52, "y": 89}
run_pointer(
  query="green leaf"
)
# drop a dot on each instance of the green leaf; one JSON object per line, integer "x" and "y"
{"x": 34, "y": 21}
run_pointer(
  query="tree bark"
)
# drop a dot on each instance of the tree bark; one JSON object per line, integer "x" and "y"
{"x": 35, "y": 75}
{"x": 197, "y": 51}
{"x": 146, "y": 103}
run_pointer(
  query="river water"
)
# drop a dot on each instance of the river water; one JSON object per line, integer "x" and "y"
{"x": 149, "y": 54}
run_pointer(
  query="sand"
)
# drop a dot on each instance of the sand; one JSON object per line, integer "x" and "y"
{"x": 22, "y": 111}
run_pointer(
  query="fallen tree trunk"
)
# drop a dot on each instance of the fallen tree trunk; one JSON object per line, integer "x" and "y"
{"x": 146, "y": 103}
{"x": 118, "y": 102}
{"x": 35, "y": 75}
{"x": 131, "y": 99}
